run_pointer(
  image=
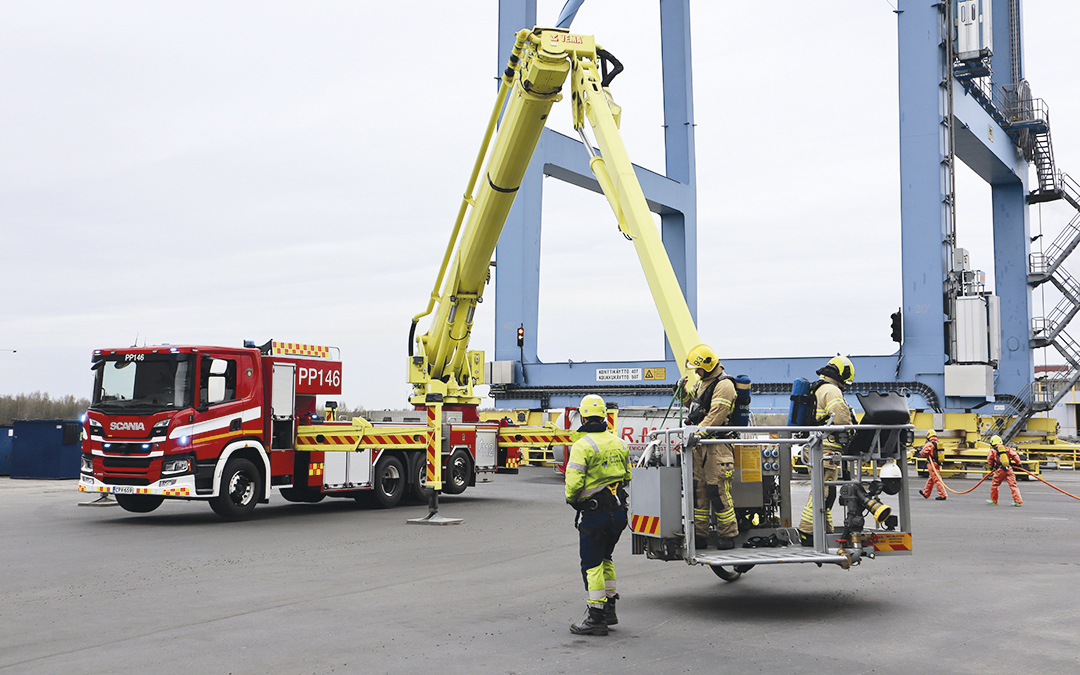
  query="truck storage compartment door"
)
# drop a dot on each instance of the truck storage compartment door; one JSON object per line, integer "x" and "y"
{"x": 283, "y": 406}
{"x": 335, "y": 470}
{"x": 283, "y": 391}
{"x": 487, "y": 440}
{"x": 359, "y": 467}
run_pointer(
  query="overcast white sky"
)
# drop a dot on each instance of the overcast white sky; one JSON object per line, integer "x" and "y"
{"x": 209, "y": 172}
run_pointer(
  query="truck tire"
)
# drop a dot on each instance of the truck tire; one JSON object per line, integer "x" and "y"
{"x": 388, "y": 483}
{"x": 458, "y": 472}
{"x": 241, "y": 489}
{"x": 419, "y": 491}
{"x": 139, "y": 503}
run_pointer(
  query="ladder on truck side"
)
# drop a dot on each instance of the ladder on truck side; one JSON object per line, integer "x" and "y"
{"x": 662, "y": 496}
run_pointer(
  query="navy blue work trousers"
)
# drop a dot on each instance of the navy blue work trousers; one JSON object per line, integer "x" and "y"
{"x": 598, "y": 532}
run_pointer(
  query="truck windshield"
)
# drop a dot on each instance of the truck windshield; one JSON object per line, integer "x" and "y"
{"x": 143, "y": 382}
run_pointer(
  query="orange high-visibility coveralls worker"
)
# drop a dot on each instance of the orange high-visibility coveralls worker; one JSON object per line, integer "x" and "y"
{"x": 714, "y": 465}
{"x": 1001, "y": 460}
{"x": 829, "y": 405}
{"x": 930, "y": 452}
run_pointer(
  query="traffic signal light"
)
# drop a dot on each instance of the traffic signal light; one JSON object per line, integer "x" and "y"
{"x": 897, "y": 326}
{"x": 521, "y": 336}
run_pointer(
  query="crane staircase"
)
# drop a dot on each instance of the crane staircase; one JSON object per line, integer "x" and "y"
{"x": 1027, "y": 121}
{"x": 1043, "y": 394}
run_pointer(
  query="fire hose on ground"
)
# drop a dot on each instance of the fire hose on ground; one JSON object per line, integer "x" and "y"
{"x": 934, "y": 469}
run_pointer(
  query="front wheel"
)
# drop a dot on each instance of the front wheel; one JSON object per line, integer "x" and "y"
{"x": 139, "y": 503}
{"x": 389, "y": 482}
{"x": 241, "y": 485}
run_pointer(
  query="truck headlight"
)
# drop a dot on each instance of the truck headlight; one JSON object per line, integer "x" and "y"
{"x": 175, "y": 465}
{"x": 87, "y": 464}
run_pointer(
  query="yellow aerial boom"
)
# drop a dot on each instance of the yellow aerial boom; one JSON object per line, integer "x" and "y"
{"x": 538, "y": 67}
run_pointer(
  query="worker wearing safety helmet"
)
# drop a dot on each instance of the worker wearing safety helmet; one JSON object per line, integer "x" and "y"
{"x": 1001, "y": 460}
{"x": 830, "y": 408}
{"x": 932, "y": 452}
{"x": 711, "y": 401}
{"x": 596, "y": 476}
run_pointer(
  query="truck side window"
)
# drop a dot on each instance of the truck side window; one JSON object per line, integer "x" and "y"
{"x": 217, "y": 378}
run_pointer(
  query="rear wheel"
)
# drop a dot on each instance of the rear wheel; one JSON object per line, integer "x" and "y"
{"x": 139, "y": 503}
{"x": 241, "y": 486}
{"x": 420, "y": 491}
{"x": 389, "y": 482}
{"x": 458, "y": 472}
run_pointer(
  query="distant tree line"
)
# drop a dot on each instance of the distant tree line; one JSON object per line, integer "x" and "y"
{"x": 39, "y": 406}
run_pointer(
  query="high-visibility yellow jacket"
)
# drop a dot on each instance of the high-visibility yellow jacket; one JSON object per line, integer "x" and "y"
{"x": 597, "y": 459}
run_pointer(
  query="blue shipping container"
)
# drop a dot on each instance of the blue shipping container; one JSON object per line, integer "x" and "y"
{"x": 46, "y": 449}
{"x": 6, "y": 434}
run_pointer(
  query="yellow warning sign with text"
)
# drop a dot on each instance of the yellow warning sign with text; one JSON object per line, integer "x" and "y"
{"x": 749, "y": 463}
{"x": 656, "y": 373}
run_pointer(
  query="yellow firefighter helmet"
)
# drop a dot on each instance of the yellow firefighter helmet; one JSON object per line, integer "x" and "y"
{"x": 995, "y": 441}
{"x": 845, "y": 369}
{"x": 702, "y": 357}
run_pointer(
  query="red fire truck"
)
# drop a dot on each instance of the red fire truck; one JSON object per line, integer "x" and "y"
{"x": 226, "y": 425}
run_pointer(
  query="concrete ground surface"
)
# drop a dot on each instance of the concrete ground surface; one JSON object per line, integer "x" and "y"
{"x": 337, "y": 588}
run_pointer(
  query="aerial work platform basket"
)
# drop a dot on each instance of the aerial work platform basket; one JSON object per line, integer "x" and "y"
{"x": 873, "y": 482}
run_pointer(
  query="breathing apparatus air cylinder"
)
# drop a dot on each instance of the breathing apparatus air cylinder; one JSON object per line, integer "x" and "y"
{"x": 741, "y": 414}
{"x": 802, "y": 403}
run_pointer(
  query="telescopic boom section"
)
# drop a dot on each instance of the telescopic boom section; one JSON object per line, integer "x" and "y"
{"x": 541, "y": 61}
{"x": 615, "y": 173}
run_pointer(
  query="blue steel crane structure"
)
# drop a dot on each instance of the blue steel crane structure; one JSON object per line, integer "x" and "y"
{"x": 974, "y": 106}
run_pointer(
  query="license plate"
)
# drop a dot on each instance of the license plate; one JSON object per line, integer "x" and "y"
{"x": 124, "y": 490}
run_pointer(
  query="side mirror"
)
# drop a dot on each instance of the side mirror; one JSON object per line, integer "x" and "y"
{"x": 215, "y": 383}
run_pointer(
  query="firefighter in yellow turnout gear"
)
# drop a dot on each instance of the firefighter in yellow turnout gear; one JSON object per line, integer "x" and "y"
{"x": 830, "y": 408}
{"x": 596, "y": 474}
{"x": 711, "y": 401}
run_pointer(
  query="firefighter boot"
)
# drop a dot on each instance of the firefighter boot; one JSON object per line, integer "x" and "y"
{"x": 610, "y": 617}
{"x": 594, "y": 623}
{"x": 725, "y": 543}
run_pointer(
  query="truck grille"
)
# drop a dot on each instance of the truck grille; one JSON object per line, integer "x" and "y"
{"x": 121, "y": 480}
{"x": 127, "y": 448}
{"x": 126, "y": 462}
